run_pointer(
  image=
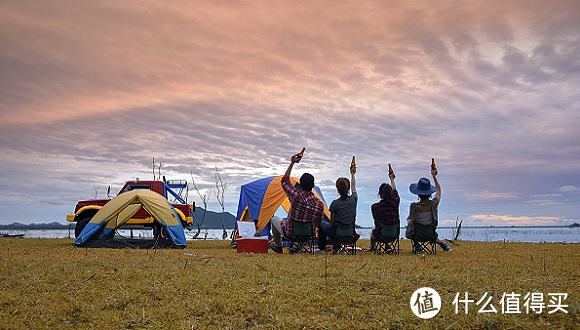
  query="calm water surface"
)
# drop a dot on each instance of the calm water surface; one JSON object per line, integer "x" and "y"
{"x": 483, "y": 234}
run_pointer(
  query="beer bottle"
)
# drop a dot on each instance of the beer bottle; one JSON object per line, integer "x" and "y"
{"x": 390, "y": 169}
{"x": 433, "y": 166}
{"x": 352, "y": 163}
{"x": 299, "y": 155}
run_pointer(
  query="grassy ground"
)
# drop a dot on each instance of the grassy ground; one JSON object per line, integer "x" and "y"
{"x": 47, "y": 284}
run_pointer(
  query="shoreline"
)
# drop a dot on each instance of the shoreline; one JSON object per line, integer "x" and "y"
{"x": 532, "y": 234}
{"x": 72, "y": 226}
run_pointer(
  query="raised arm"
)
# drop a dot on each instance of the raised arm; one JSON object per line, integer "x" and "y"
{"x": 352, "y": 180}
{"x": 292, "y": 161}
{"x": 437, "y": 185}
{"x": 392, "y": 177}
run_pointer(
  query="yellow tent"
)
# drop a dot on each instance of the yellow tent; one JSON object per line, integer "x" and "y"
{"x": 121, "y": 208}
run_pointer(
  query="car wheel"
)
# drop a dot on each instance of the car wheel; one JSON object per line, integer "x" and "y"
{"x": 81, "y": 225}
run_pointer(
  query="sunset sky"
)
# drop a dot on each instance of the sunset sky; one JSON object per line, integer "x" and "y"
{"x": 91, "y": 91}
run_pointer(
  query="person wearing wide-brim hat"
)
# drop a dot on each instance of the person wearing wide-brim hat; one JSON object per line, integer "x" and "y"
{"x": 425, "y": 212}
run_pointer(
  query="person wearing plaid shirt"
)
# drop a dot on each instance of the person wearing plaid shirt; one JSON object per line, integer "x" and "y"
{"x": 304, "y": 206}
{"x": 387, "y": 209}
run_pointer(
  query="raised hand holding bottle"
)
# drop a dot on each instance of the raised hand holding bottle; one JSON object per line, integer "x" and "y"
{"x": 299, "y": 155}
{"x": 433, "y": 167}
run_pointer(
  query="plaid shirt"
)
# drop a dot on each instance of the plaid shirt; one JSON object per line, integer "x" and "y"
{"x": 387, "y": 213}
{"x": 305, "y": 206}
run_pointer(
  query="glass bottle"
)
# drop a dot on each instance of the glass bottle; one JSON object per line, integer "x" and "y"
{"x": 299, "y": 155}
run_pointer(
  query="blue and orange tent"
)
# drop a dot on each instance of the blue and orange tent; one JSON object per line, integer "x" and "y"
{"x": 261, "y": 199}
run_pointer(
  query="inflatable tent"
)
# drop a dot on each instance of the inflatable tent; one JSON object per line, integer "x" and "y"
{"x": 120, "y": 209}
{"x": 259, "y": 201}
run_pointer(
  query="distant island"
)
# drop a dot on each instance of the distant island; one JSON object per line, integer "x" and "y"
{"x": 38, "y": 226}
{"x": 212, "y": 220}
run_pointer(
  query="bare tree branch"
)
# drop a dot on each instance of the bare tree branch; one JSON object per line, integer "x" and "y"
{"x": 219, "y": 194}
{"x": 204, "y": 199}
{"x": 159, "y": 176}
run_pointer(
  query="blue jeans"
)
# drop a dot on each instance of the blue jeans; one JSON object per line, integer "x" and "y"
{"x": 325, "y": 230}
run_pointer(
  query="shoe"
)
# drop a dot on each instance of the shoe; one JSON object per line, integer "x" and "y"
{"x": 318, "y": 251}
{"x": 445, "y": 247}
{"x": 275, "y": 248}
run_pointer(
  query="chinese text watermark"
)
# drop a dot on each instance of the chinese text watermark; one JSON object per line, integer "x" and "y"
{"x": 426, "y": 303}
{"x": 514, "y": 303}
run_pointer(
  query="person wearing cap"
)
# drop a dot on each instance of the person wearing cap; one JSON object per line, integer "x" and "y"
{"x": 425, "y": 212}
{"x": 304, "y": 206}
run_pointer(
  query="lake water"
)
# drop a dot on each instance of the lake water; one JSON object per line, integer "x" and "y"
{"x": 483, "y": 234}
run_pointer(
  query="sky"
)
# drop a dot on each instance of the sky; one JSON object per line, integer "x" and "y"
{"x": 92, "y": 92}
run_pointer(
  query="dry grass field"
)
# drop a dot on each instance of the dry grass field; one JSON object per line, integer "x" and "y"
{"x": 48, "y": 284}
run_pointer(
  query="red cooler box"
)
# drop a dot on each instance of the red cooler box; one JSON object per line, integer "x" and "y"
{"x": 257, "y": 244}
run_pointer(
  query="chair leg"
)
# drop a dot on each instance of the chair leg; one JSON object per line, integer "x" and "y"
{"x": 384, "y": 247}
{"x": 352, "y": 246}
{"x": 344, "y": 245}
{"x": 379, "y": 248}
{"x": 416, "y": 247}
{"x": 394, "y": 247}
{"x": 296, "y": 247}
{"x": 299, "y": 246}
{"x": 428, "y": 247}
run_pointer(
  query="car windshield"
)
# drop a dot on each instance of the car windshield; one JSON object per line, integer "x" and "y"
{"x": 135, "y": 187}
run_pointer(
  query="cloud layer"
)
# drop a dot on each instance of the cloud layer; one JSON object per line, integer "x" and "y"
{"x": 92, "y": 91}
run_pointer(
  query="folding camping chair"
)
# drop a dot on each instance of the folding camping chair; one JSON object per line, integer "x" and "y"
{"x": 388, "y": 240}
{"x": 345, "y": 239}
{"x": 302, "y": 236}
{"x": 424, "y": 239}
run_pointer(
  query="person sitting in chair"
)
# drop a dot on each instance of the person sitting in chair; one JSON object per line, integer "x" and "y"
{"x": 342, "y": 210}
{"x": 385, "y": 211}
{"x": 304, "y": 206}
{"x": 425, "y": 212}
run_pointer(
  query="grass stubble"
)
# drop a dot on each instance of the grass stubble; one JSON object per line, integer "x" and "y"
{"x": 48, "y": 284}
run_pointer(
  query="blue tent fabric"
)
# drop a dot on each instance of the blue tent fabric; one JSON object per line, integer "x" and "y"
{"x": 252, "y": 196}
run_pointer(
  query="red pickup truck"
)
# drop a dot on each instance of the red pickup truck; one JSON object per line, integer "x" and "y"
{"x": 172, "y": 190}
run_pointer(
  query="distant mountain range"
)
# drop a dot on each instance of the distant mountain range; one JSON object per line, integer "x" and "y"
{"x": 52, "y": 225}
{"x": 212, "y": 220}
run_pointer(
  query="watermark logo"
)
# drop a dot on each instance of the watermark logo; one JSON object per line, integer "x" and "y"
{"x": 425, "y": 303}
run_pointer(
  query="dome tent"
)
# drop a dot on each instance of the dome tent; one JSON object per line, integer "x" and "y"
{"x": 101, "y": 229}
{"x": 259, "y": 201}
